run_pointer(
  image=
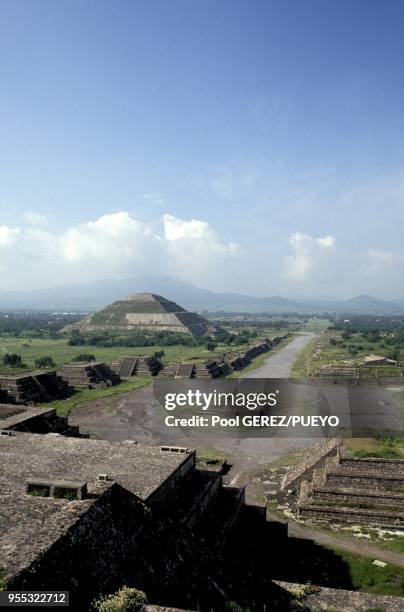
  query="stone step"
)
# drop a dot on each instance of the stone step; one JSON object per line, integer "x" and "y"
{"x": 372, "y": 465}
{"x": 383, "y": 518}
{"x": 359, "y": 498}
{"x": 352, "y": 481}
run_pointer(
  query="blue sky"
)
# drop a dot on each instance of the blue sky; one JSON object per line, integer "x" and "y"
{"x": 252, "y": 145}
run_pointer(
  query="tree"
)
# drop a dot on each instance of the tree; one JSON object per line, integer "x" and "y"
{"x": 158, "y": 354}
{"x": 12, "y": 359}
{"x": 211, "y": 346}
{"x": 76, "y": 339}
{"x": 44, "y": 362}
{"x": 84, "y": 357}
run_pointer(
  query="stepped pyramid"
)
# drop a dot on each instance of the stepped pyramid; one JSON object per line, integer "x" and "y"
{"x": 145, "y": 311}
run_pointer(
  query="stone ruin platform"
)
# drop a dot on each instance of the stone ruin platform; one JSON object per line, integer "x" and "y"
{"x": 34, "y": 420}
{"x": 334, "y": 488}
{"x": 130, "y": 365}
{"x": 32, "y": 387}
{"x": 143, "y": 510}
{"x": 209, "y": 369}
{"x": 89, "y": 375}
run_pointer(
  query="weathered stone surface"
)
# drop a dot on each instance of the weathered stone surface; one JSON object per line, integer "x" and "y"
{"x": 89, "y": 375}
{"x": 32, "y": 387}
{"x": 34, "y": 420}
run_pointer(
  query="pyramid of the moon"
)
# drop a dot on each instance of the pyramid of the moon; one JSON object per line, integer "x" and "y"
{"x": 145, "y": 311}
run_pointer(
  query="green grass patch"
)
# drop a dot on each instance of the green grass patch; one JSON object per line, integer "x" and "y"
{"x": 82, "y": 396}
{"x": 369, "y": 578}
{"x": 209, "y": 455}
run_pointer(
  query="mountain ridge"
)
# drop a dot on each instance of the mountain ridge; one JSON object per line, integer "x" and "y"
{"x": 99, "y": 293}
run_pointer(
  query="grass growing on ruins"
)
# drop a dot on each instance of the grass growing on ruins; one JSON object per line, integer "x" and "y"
{"x": 82, "y": 396}
{"x": 336, "y": 347}
{"x": 207, "y": 456}
{"x": 369, "y": 578}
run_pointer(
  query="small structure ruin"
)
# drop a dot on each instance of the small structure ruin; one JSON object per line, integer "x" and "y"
{"x": 34, "y": 420}
{"x": 209, "y": 369}
{"x": 32, "y": 387}
{"x": 129, "y": 365}
{"x": 334, "y": 488}
{"x": 88, "y": 375}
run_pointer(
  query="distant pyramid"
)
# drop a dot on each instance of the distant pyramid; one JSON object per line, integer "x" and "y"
{"x": 145, "y": 311}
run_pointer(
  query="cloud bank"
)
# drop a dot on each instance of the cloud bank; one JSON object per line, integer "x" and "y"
{"x": 114, "y": 245}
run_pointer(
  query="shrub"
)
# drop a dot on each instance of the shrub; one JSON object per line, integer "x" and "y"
{"x": 44, "y": 362}
{"x": 84, "y": 357}
{"x": 12, "y": 359}
{"x": 124, "y": 600}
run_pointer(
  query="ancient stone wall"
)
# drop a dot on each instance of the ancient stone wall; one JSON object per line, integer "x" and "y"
{"x": 315, "y": 459}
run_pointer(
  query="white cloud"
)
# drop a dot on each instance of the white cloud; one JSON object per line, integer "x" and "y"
{"x": 307, "y": 251}
{"x": 326, "y": 242}
{"x": 114, "y": 245}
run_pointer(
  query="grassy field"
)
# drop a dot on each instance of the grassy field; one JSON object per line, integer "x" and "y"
{"x": 62, "y": 353}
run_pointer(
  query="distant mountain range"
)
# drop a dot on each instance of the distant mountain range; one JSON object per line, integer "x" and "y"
{"x": 97, "y": 294}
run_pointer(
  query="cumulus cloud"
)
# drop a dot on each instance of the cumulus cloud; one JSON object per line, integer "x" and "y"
{"x": 307, "y": 251}
{"x": 115, "y": 245}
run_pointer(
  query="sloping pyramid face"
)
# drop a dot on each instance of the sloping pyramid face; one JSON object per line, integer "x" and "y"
{"x": 145, "y": 311}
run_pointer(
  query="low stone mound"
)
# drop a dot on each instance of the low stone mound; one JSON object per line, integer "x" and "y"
{"x": 89, "y": 375}
{"x": 32, "y": 387}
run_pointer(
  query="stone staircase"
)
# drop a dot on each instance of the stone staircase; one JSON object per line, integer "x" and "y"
{"x": 359, "y": 490}
{"x": 128, "y": 366}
